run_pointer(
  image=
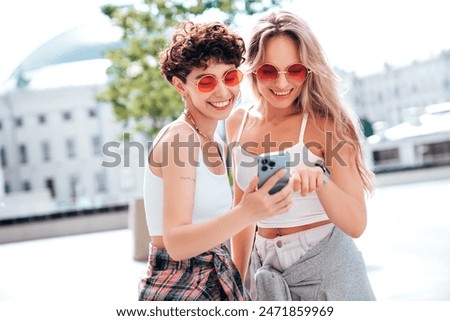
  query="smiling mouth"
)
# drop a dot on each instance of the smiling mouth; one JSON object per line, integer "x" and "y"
{"x": 281, "y": 93}
{"x": 221, "y": 104}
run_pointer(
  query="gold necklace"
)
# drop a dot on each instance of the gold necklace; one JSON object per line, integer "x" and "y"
{"x": 188, "y": 115}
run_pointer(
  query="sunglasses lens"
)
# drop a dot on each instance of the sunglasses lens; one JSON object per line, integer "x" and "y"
{"x": 267, "y": 72}
{"x": 206, "y": 84}
{"x": 233, "y": 77}
{"x": 297, "y": 72}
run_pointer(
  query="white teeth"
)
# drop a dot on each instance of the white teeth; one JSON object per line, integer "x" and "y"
{"x": 221, "y": 104}
{"x": 281, "y": 93}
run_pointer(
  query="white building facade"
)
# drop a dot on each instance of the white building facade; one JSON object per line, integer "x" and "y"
{"x": 398, "y": 94}
{"x": 54, "y": 133}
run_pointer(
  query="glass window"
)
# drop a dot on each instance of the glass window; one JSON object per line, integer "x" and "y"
{"x": 101, "y": 181}
{"x": 435, "y": 153}
{"x": 67, "y": 115}
{"x": 96, "y": 145}
{"x": 19, "y": 122}
{"x": 93, "y": 112}
{"x": 386, "y": 156}
{"x": 26, "y": 186}
{"x": 45, "y": 147}
{"x": 50, "y": 185}
{"x": 23, "y": 157}
{"x": 70, "y": 148}
{"x": 3, "y": 157}
{"x": 73, "y": 183}
{"x": 7, "y": 188}
{"x": 42, "y": 119}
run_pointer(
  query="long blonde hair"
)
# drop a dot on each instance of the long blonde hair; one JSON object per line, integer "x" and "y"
{"x": 319, "y": 96}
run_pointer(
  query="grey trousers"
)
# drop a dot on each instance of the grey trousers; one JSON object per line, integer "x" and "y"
{"x": 332, "y": 270}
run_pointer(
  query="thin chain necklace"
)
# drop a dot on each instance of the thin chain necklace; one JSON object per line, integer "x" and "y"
{"x": 188, "y": 115}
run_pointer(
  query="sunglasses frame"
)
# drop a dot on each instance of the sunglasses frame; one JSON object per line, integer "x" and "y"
{"x": 216, "y": 80}
{"x": 308, "y": 71}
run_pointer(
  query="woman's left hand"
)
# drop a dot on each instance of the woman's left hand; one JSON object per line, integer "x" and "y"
{"x": 307, "y": 179}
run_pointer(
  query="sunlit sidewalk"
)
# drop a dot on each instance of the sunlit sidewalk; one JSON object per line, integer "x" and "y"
{"x": 406, "y": 247}
{"x": 96, "y": 266}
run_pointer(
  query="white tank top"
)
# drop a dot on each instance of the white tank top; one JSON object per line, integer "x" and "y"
{"x": 212, "y": 192}
{"x": 305, "y": 209}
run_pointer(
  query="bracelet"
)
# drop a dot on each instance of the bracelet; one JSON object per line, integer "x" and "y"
{"x": 326, "y": 172}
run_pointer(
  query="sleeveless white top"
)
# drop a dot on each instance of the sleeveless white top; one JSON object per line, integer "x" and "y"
{"x": 305, "y": 209}
{"x": 212, "y": 192}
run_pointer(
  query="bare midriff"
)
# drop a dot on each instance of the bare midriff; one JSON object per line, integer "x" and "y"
{"x": 273, "y": 232}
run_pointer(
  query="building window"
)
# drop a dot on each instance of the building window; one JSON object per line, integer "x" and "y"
{"x": 45, "y": 148}
{"x": 23, "y": 157}
{"x": 50, "y": 185}
{"x": 73, "y": 186}
{"x": 42, "y": 119}
{"x": 70, "y": 148}
{"x": 397, "y": 91}
{"x": 96, "y": 145}
{"x": 19, "y": 122}
{"x": 101, "y": 182}
{"x": 380, "y": 98}
{"x": 67, "y": 115}
{"x": 435, "y": 153}
{"x": 3, "y": 157}
{"x": 93, "y": 112}
{"x": 26, "y": 186}
{"x": 386, "y": 156}
{"x": 7, "y": 188}
{"x": 446, "y": 84}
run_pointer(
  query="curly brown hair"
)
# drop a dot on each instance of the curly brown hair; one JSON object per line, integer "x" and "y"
{"x": 194, "y": 45}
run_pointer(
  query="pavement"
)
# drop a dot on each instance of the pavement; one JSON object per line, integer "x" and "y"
{"x": 406, "y": 247}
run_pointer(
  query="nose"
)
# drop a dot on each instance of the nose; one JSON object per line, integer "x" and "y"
{"x": 282, "y": 80}
{"x": 221, "y": 89}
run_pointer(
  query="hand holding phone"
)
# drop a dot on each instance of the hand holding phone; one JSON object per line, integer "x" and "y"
{"x": 269, "y": 165}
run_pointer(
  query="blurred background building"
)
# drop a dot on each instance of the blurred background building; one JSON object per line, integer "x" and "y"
{"x": 401, "y": 94}
{"x": 408, "y": 109}
{"x": 53, "y": 130}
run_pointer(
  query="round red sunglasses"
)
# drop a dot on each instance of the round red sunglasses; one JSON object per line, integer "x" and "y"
{"x": 207, "y": 83}
{"x": 295, "y": 72}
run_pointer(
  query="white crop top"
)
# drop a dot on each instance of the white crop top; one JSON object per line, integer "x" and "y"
{"x": 212, "y": 193}
{"x": 305, "y": 209}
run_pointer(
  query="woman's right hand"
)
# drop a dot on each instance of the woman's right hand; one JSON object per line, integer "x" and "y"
{"x": 260, "y": 204}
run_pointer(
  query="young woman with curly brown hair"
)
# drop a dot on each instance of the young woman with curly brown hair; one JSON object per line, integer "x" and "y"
{"x": 187, "y": 195}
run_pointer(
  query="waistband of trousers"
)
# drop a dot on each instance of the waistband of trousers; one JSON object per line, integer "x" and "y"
{"x": 160, "y": 259}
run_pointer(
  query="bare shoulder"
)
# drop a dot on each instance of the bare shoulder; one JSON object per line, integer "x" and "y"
{"x": 233, "y": 122}
{"x": 179, "y": 132}
{"x": 180, "y": 139}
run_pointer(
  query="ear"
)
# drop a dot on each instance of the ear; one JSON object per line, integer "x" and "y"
{"x": 179, "y": 86}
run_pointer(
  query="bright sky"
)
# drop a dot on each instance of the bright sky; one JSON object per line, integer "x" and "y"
{"x": 357, "y": 35}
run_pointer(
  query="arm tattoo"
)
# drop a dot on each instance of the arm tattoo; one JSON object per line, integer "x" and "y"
{"x": 188, "y": 178}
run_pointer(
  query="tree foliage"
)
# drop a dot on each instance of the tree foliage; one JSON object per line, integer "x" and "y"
{"x": 137, "y": 91}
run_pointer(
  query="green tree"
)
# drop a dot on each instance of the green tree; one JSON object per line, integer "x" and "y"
{"x": 137, "y": 91}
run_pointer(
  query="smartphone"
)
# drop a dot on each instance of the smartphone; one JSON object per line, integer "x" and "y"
{"x": 269, "y": 165}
